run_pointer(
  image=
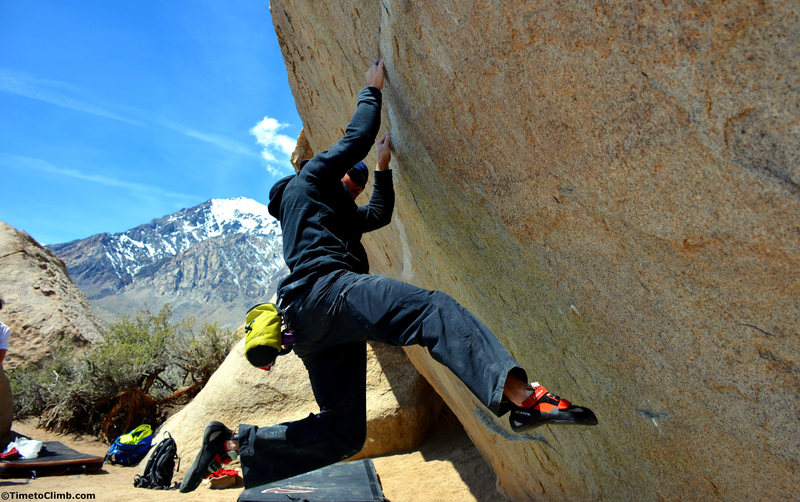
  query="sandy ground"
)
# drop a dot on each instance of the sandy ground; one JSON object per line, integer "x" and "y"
{"x": 447, "y": 467}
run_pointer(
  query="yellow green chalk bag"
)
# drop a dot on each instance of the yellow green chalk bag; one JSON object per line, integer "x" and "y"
{"x": 263, "y": 335}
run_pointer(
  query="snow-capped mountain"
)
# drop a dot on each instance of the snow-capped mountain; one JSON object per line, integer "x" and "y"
{"x": 212, "y": 261}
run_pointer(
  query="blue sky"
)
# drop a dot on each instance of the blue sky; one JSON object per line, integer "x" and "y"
{"x": 113, "y": 113}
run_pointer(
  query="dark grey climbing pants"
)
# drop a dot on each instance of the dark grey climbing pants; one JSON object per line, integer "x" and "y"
{"x": 332, "y": 323}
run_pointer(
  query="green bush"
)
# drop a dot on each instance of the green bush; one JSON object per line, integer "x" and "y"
{"x": 142, "y": 365}
{"x": 35, "y": 386}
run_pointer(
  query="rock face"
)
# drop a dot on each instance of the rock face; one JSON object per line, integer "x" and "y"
{"x": 614, "y": 188}
{"x": 302, "y": 151}
{"x": 400, "y": 404}
{"x": 42, "y": 305}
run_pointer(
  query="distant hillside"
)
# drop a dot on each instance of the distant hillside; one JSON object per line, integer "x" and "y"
{"x": 212, "y": 261}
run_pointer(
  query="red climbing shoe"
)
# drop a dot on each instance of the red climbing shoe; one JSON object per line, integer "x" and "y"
{"x": 543, "y": 407}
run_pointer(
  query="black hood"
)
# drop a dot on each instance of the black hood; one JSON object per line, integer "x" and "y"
{"x": 276, "y": 195}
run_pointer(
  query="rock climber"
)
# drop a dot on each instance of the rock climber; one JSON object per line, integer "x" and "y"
{"x": 334, "y": 306}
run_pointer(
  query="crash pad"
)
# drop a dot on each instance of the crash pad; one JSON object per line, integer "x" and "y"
{"x": 55, "y": 459}
{"x": 354, "y": 481}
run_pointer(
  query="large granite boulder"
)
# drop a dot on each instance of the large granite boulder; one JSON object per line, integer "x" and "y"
{"x": 614, "y": 188}
{"x": 42, "y": 305}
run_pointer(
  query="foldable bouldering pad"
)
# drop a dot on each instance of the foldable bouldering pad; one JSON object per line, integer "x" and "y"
{"x": 55, "y": 459}
{"x": 354, "y": 481}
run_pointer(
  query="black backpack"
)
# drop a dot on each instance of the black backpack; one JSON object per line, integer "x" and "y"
{"x": 159, "y": 469}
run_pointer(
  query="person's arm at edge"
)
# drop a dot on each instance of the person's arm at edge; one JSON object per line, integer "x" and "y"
{"x": 5, "y": 334}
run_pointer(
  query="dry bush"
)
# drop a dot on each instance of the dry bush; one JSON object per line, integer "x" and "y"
{"x": 142, "y": 365}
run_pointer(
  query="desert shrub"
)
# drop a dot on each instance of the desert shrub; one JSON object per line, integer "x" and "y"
{"x": 33, "y": 386}
{"x": 142, "y": 365}
{"x": 201, "y": 354}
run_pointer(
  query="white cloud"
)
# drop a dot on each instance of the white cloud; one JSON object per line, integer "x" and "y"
{"x": 212, "y": 139}
{"x": 62, "y": 94}
{"x": 47, "y": 91}
{"x": 276, "y": 149}
{"x": 21, "y": 161}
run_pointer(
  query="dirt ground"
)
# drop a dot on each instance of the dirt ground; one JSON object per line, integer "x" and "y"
{"x": 447, "y": 467}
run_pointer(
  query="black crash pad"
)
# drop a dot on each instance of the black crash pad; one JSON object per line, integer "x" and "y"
{"x": 54, "y": 459}
{"x": 354, "y": 481}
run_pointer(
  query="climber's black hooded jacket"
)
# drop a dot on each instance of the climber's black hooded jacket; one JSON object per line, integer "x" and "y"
{"x": 321, "y": 224}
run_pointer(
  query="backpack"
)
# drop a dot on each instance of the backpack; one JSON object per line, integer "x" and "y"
{"x": 161, "y": 466}
{"x": 130, "y": 449}
{"x": 264, "y": 338}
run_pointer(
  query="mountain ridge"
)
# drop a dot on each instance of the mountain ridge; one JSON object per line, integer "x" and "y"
{"x": 209, "y": 261}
